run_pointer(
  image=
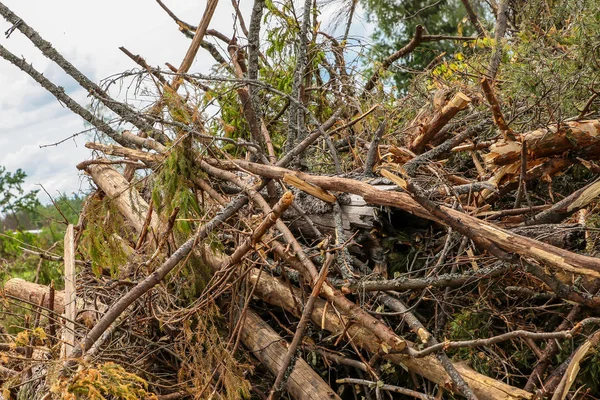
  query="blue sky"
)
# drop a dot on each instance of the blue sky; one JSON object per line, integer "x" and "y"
{"x": 87, "y": 33}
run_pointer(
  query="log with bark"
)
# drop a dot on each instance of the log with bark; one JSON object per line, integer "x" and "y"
{"x": 236, "y": 251}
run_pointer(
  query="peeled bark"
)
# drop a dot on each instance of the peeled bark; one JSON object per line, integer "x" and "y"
{"x": 438, "y": 121}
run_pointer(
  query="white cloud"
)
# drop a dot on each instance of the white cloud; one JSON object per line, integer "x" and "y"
{"x": 88, "y": 34}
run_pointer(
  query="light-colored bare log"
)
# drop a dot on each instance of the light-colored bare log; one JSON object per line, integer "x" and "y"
{"x": 131, "y": 154}
{"x": 266, "y": 345}
{"x": 126, "y": 197}
{"x": 33, "y": 292}
{"x": 68, "y": 334}
{"x": 275, "y": 291}
{"x": 582, "y": 138}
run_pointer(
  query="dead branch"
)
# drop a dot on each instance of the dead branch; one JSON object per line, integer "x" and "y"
{"x": 289, "y": 360}
{"x": 373, "y": 150}
{"x": 443, "y": 149}
{"x": 296, "y": 117}
{"x": 275, "y": 291}
{"x": 177, "y": 306}
{"x": 519, "y": 334}
{"x": 259, "y": 131}
{"x": 68, "y": 338}
{"x": 389, "y": 388}
{"x": 187, "y": 61}
{"x": 309, "y": 271}
{"x": 473, "y": 18}
{"x": 385, "y": 64}
{"x": 126, "y": 198}
{"x": 61, "y": 96}
{"x": 441, "y": 281}
{"x": 499, "y": 120}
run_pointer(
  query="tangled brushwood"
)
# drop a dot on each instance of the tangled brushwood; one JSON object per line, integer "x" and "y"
{"x": 292, "y": 225}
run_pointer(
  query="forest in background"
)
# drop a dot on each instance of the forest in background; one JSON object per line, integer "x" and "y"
{"x": 411, "y": 218}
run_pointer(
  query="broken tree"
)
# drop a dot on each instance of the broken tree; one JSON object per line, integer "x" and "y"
{"x": 320, "y": 236}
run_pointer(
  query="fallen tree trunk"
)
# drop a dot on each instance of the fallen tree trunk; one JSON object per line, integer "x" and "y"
{"x": 580, "y": 138}
{"x": 124, "y": 195}
{"x": 33, "y": 293}
{"x": 506, "y": 240}
{"x": 266, "y": 345}
{"x": 277, "y": 292}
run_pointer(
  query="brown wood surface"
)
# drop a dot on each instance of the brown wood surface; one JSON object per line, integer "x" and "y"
{"x": 277, "y": 292}
{"x": 582, "y": 138}
{"x": 509, "y": 241}
{"x": 125, "y": 196}
{"x": 266, "y": 345}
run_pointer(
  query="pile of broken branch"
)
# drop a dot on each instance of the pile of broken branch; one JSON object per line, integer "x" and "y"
{"x": 365, "y": 258}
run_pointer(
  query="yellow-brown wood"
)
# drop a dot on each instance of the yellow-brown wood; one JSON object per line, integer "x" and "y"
{"x": 266, "y": 345}
{"x": 277, "y": 292}
{"x": 308, "y": 188}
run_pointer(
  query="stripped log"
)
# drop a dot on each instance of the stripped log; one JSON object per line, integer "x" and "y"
{"x": 68, "y": 334}
{"x": 124, "y": 195}
{"x": 266, "y": 345}
{"x": 33, "y": 293}
{"x": 131, "y": 154}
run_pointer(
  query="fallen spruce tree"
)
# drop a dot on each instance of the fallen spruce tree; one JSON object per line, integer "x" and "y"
{"x": 323, "y": 239}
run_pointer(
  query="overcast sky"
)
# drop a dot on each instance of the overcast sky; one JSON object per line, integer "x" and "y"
{"x": 88, "y": 34}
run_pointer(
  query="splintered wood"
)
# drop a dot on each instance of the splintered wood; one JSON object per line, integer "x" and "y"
{"x": 293, "y": 243}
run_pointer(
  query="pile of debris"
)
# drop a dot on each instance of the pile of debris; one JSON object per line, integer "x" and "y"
{"x": 364, "y": 256}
